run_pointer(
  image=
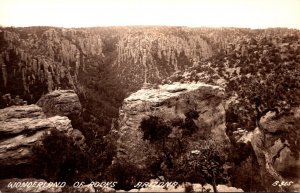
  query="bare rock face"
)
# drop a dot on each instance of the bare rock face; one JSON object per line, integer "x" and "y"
{"x": 21, "y": 127}
{"x": 280, "y": 149}
{"x": 273, "y": 150}
{"x": 60, "y": 102}
{"x": 274, "y": 124}
{"x": 170, "y": 102}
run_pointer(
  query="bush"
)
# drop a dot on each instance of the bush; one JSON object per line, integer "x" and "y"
{"x": 155, "y": 128}
{"x": 252, "y": 182}
{"x": 99, "y": 150}
{"x": 200, "y": 166}
{"x": 58, "y": 158}
{"x": 126, "y": 174}
{"x": 174, "y": 161}
{"x": 189, "y": 126}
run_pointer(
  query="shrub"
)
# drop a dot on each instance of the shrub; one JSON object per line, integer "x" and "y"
{"x": 100, "y": 150}
{"x": 192, "y": 114}
{"x": 250, "y": 182}
{"x": 174, "y": 162}
{"x": 200, "y": 166}
{"x": 126, "y": 174}
{"x": 58, "y": 158}
{"x": 155, "y": 128}
{"x": 189, "y": 126}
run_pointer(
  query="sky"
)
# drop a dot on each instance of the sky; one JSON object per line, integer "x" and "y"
{"x": 193, "y": 13}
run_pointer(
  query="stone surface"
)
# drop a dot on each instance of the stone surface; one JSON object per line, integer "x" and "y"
{"x": 169, "y": 102}
{"x": 274, "y": 124}
{"x": 276, "y": 128}
{"x": 60, "y": 102}
{"x": 23, "y": 126}
{"x": 274, "y": 151}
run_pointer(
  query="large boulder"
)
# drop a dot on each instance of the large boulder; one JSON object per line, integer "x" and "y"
{"x": 61, "y": 102}
{"x": 21, "y": 127}
{"x": 170, "y": 102}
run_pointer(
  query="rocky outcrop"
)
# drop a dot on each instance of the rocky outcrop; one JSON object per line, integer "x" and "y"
{"x": 60, "y": 102}
{"x": 170, "y": 102}
{"x": 272, "y": 148}
{"x": 282, "y": 137}
{"x": 21, "y": 127}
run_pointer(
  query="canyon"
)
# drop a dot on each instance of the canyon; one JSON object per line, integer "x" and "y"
{"x": 98, "y": 85}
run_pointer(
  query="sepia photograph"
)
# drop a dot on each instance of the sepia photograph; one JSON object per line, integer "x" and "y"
{"x": 149, "y": 96}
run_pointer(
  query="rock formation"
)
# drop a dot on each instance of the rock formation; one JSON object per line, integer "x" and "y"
{"x": 60, "y": 102}
{"x": 157, "y": 54}
{"x": 273, "y": 151}
{"x": 38, "y": 60}
{"x": 23, "y": 126}
{"x": 170, "y": 102}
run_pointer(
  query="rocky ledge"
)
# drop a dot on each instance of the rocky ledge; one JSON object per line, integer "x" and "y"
{"x": 21, "y": 127}
{"x": 170, "y": 102}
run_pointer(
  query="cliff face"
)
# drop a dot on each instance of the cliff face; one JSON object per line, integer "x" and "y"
{"x": 35, "y": 61}
{"x": 170, "y": 102}
{"x": 21, "y": 127}
{"x": 54, "y": 57}
{"x": 153, "y": 54}
{"x": 38, "y": 60}
{"x": 274, "y": 150}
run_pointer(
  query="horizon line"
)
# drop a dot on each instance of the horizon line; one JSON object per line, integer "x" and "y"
{"x": 152, "y": 25}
